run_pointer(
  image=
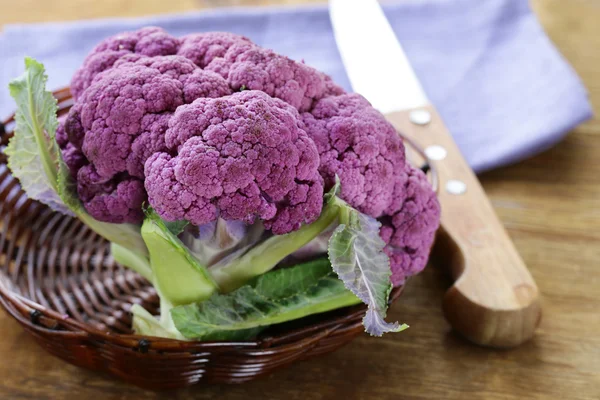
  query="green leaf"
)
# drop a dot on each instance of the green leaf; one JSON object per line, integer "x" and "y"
{"x": 356, "y": 255}
{"x": 67, "y": 188}
{"x": 178, "y": 275}
{"x": 275, "y": 297}
{"x": 176, "y": 227}
{"x": 146, "y": 324}
{"x": 33, "y": 155}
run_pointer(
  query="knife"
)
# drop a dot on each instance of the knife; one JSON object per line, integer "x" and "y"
{"x": 494, "y": 300}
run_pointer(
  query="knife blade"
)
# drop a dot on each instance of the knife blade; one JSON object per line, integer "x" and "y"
{"x": 494, "y": 300}
{"x": 380, "y": 70}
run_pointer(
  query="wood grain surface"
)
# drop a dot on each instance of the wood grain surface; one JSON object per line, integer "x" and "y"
{"x": 549, "y": 204}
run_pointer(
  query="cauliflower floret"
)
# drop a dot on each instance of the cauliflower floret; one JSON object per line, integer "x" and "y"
{"x": 61, "y": 135}
{"x": 241, "y": 157}
{"x": 409, "y": 232}
{"x": 72, "y": 156}
{"x": 235, "y": 58}
{"x": 114, "y": 200}
{"x": 363, "y": 149}
{"x": 203, "y": 48}
{"x": 356, "y": 143}
{"x": 114, "y": 111}
{"x": 247, "y": 65}
{"x": 151, "y": 41}
{"x": 121, "y": 120}
{"x": 196, "y": 82}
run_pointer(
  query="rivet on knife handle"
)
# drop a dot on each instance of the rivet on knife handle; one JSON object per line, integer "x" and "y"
{"x": 494, "y": 300}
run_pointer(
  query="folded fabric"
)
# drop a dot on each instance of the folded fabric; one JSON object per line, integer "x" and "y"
{"x": 502, "y": 88}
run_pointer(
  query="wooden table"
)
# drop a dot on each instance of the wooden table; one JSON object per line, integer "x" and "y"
{"x": 550, "y": 205}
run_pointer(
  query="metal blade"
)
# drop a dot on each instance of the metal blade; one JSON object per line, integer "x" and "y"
{"x": 375, "y": 62}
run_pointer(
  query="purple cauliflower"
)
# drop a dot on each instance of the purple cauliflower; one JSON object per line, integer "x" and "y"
{"x": 409, "y": 232}
{"x": 240, "y": 157}
{"x": 119, "y": 198}
{"x": 212, "y": 127}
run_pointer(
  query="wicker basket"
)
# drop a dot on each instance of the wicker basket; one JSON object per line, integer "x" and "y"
{"x": 59, "y": 281}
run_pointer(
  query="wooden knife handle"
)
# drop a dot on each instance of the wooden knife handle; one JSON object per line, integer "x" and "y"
{"x": 494, "y": 300}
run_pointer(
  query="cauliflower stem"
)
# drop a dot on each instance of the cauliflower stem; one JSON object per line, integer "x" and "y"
{"x": 185, "y": 285}
{"x": 132, "y": 260}
{"x": 180, "y": 278}
{"x": 269, "y": 253}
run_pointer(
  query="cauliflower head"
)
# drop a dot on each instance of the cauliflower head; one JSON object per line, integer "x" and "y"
{"x": 212, "y": 127}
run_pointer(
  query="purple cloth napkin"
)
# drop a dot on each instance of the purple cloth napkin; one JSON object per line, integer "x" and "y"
{"x": 502, "y": 88}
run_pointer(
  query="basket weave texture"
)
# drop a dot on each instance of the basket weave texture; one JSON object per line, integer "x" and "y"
{"x": 59, "y": 281}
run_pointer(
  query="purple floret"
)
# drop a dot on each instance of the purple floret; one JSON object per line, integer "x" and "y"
{"x": 196, "y": 82}
{"x": 61, "y": 135}
{"x": 151, "y": 41}
{"x": 246, "y": 65}
{"x": 93, "y": 65}
{"x": 357, "y": 143}
{"x": 121, "y": 118}
{"x": 332, "y": 88}
{"x": 363, "y": 149}
{"x": 410, "y": 231}
{"x": 240, "y": 157}
{"x": 113, "y": 110}
{"x": 117, "y": 200}
{"x": 72, "y": 126}
{"x": 156, "y": 42}
{"x": 72, "y": 156}
{"x": 203, "y": 48}
{"x": 175, "y": 67}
